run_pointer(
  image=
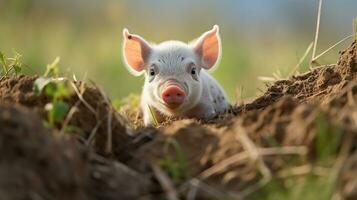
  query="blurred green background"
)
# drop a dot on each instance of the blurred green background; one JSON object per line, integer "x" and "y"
{"x": 259, "y": 37}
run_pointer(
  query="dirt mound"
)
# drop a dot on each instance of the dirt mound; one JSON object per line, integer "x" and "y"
{"x": 33, "y": 164}
{"x": 93, "y": 114}
{"x": 315, "y": 86}
{"x": 296, "y": 126}
{"x": 36, "y": 165}
{"x": 294, "y": 120}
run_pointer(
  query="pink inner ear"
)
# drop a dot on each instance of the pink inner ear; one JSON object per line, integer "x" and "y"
{"x": 136, "y": 50}
{"x": 208, "y": 48}
{"x": 133, "y": 54}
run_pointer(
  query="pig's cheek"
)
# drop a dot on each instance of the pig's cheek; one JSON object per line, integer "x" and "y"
{"x": 154, "y": 94}
{"x": 192, "y": 98}
{"x": 148, "y": 92}
{"x": 195, "y": 91}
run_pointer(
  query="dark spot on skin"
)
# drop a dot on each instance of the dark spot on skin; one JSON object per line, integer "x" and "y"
{"x": 129, "y": 37}
{"x": 182, "y": 58}
{"x": 215, "y": 101}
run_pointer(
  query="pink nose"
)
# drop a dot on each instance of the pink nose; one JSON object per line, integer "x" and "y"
{"x": 173, "y": 96}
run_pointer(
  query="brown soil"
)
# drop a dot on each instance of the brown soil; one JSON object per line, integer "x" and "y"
{"x": 287, "y": 114}
{"x": 36, "y": 164}
{"x": 277, "y": 131}
{"x": 19, "y": 90}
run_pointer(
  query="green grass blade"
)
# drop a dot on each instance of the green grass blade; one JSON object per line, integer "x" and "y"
{"x": 3, "y": 62}
{"x": 355, "y": 27}
{"x": 153, "y": 116}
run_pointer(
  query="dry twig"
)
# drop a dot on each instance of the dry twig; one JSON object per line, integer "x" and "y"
{"x": 108, "y": 147}
{"x": 331, "y": 47}
{"x": 297, "y": 66}
{"x": 80, "y": 96}
{"x": 165, "y": 182}
{"x": 243, "y": 156}
{"x": 317, "y": 31}
{"x": 93, "y": 133}
{"x": 69, "y": 116}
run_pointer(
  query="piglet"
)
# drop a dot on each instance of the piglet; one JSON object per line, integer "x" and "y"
{"x": 177, "y": 83}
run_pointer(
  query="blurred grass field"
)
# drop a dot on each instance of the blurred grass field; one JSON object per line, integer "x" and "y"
{"x": 86, "y": 35}
{"x": 257, "y": 41}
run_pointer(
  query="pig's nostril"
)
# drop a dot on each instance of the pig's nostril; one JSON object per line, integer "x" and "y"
{"x": 178, "y": 94}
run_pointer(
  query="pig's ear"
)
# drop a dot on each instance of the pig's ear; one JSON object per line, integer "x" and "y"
{"x": 135, "y": 51}
{"x": 208, "y": 48}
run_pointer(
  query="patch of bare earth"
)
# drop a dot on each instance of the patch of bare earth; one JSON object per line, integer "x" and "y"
{"x": 237, "y": 156}
{"x": 275, "y": 136}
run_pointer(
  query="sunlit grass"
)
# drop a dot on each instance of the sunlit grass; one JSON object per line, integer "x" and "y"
{"x": 307, "y": 187}
{"x": 94, "y": 48}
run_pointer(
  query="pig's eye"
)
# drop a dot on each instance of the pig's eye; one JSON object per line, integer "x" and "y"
{"x": 193, "y": 71}
{"x": 152, "y": 72}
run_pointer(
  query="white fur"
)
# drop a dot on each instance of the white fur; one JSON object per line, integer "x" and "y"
{"x": 205, "y": 98}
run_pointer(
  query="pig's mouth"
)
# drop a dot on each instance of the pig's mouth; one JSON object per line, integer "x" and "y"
{"x": 172, "y": 106}
{"x": 173, "y": 95}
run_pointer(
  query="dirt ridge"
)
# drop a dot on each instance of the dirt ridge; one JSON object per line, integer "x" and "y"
{"x": 288, "y": 117}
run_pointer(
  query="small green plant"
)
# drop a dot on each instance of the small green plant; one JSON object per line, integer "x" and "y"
{"x": 9, "y": 65}
{"x": 70, "y": 129}
{"x": 307, "y": 187}
{"x": 3, "y": 62}
{"x": 131, "y": 101}
{"x": 175, "y": 166}
{"x": 57, "y": 89}
{"x": 328, "y": 139}
{"x": 128, "y": 107}
{"x": 52, "y": 69}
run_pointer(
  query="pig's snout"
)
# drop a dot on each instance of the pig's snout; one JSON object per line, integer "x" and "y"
{"x": 173, "y": 96}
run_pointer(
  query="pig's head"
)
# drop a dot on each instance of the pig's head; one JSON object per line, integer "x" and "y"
{"x": 172, "y": 69}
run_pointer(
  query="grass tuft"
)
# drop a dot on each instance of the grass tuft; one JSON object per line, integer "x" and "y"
{"x": 175, "y": 166}
{"x": 328, "y": 139}
{"x": 11, "y": 64}
{"x": 57, "y": 89}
